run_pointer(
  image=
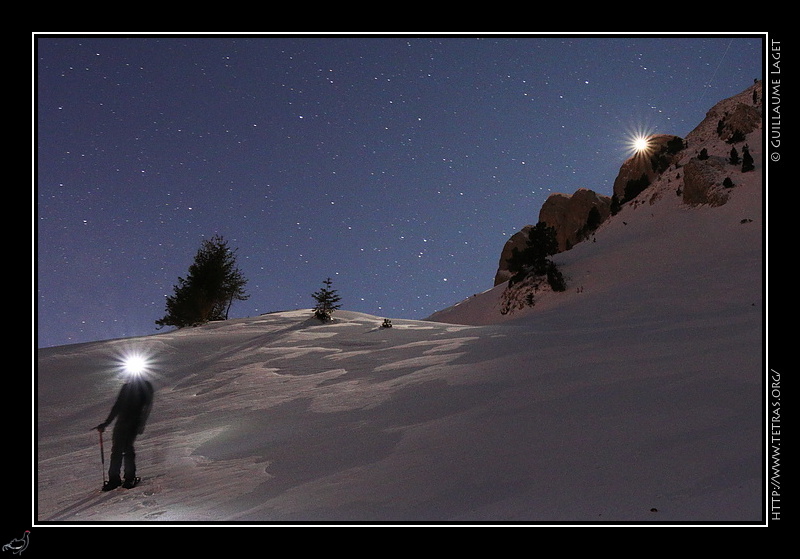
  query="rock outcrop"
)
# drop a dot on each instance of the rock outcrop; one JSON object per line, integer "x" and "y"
{"x": 730, "y": 119}
{"x": 703, "y": 182}
{"x": 739, "y": 123}
{"x": 573, "y": 217}
{"x": 517, "y": 241}
{"x": 707, "y": 175}
{"x": 703, "y": 176}
{"x": 641, "y": 169}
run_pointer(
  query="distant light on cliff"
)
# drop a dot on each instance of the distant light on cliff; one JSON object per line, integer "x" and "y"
{"x": 640, "y": 144}
{"x": 637, "y": 141}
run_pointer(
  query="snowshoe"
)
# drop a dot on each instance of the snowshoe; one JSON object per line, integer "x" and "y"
{"x": 131, "y": 483}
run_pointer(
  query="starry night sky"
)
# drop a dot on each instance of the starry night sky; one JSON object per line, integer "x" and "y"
{"x": 396, "y": 165}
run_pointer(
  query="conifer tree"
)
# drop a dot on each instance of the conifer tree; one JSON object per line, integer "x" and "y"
{"x": 535, "y": 257}
{"x": 541, "y": 243}
{"x": 747, "y": 160}
{"x": 327, "y": 301}
{"x": 208, "y": 291}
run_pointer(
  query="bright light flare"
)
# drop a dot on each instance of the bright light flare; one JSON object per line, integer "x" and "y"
{"x": 132, "y": 362}
{"x": 135, "y": 365}
{"x": 640, "y": 144}
{"x": 637, "y": 141}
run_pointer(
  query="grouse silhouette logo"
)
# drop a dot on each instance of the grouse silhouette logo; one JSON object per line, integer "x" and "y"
{"x": 18, "y": 545}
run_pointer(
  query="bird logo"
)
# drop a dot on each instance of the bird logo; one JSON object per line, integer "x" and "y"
{"x": 18, "y": 545}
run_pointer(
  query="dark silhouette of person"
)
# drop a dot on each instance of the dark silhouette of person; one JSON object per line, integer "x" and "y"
{"x": 131, "y": 411}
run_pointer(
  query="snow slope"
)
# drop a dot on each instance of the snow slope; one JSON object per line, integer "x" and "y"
{"x": 638, "y": 397}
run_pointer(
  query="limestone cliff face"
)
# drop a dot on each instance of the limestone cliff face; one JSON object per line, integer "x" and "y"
{"x": 698, "y": 168}
{"x": 572, "y": 216}
{"x": 517, "y": 241}
{"x": 649, "y": 164}
{"x": 728, "y": 120}
{"x": 703, "y": 182}
{"x": 725, "y": 128}
{"x": 740, "y": 122}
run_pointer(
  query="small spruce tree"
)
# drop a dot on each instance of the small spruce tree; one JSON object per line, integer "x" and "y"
{"x": 593, "y": 221}
{"x": 747, "y": 160}
{"x": 555, "y": 278}
{"x": 675, "y": 145}
{"x": 327, "y": 301}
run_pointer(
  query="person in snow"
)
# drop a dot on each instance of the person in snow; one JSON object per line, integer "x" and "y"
{"x": 131, "y": 411}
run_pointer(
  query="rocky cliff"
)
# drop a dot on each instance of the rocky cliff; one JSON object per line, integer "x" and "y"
{"x": 640, "y": 170}
{"x": 716, "y": 149}
{"x": 701, "y": 169}
{"x": 573, "y": 217}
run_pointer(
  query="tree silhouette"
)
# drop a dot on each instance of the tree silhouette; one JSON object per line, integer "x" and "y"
{"x": 747, "y": 160}
{"x": 734, "y": 156}
{"x": 634, "y": 187}
{"x": 534, "y": 257}
{"x": 209, "y": 289}
{"x": 327, "y": 301}
{"x": 593, "y": 221}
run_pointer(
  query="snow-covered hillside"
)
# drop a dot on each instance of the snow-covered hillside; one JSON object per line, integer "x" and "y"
{"x": 636, "y": 395}
{"x": 653, "y": 235}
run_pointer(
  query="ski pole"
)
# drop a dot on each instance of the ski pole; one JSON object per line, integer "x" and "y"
{"x": 102, "y": 456}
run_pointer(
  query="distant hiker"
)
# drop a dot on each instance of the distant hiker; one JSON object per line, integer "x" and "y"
{"x": 131, "y": 411}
